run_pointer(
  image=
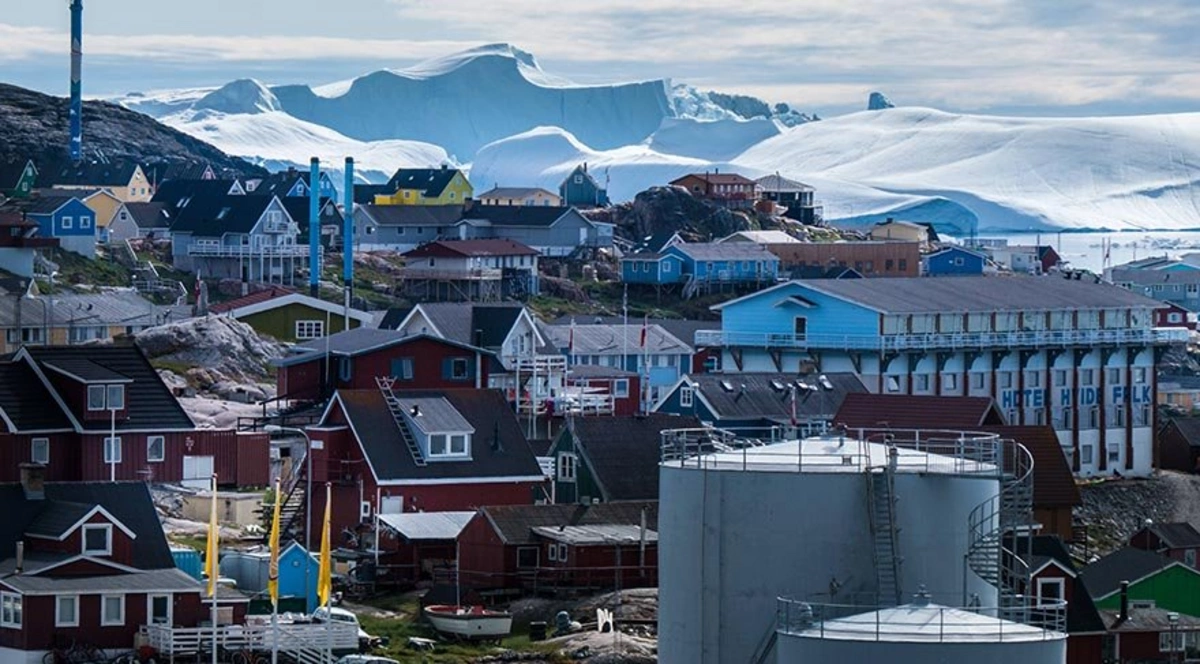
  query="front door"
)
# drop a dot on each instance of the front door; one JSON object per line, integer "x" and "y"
{"x": 197, "y": 471}
{"x": 158, "y": 609}
{"x": 801, "y": 327}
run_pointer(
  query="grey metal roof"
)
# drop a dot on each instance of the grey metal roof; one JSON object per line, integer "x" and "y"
{"x": 1104, "y": 576}
{"x": 597, "y": 534}
{"x": 172, "y": 580}
{"x": 432, "y": 216}
{"x": 57, "y": 517}
{"x": 762, "y": 397}
{"x": 515, "y": 523}
{"x": 86, "y": 370}
{"x": 725, "y": 251}
{"x": 980, "y": 294}
{"x": 149, "y": 215}
{"x": 427, "y": 525}
{"x": 434, "y": 415}
{"x": 512, "y": 192}
{"x": 623, "y": 452}
{"x": 616, "y": 339}
{"x": 776, "y": 183}
{"x": 684, "y": 329}
{"x": 359, "y": 340}
{"x": 1166, "y": 278}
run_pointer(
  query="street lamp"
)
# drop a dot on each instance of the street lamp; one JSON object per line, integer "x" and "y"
{"x": 275, "y": 428}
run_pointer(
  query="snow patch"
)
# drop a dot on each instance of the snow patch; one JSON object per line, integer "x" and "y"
{"x": 241, "y": 96}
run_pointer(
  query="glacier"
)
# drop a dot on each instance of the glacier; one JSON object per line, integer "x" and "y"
{"x": 494, "y": 110}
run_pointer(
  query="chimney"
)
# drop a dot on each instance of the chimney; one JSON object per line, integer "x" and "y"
{"x": 585, "y": 167}
{"x": 33, "y": 480}
{"x": 477, "y": 340}
{"x": 20, "y": 557}
{"x": 1124, "y": 603}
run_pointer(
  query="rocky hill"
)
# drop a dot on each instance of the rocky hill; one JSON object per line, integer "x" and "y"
{"x": 34, "y": 125}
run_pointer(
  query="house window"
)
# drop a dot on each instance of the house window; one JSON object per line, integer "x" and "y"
{"x": 562, "y": 553}
{"x": 112, "y": 450}
{"x": 95, "y": 397}
{"x": 958, "y": 262}
{"x": 566, "y": 467}
{"x": 443, "y": 444}
{"x": 310, "y": 329}
{"x": 527, "y": 557}
{"x": 97, "y": 539}
{"x": 903, "y": 264}
{"x": 1189, "y": 558}
{"x": 458, "y": 368}
{"x": 402, "y": 368}
{"x": 156, "y": 448}
{"x": 686, "y": 395}
{"x": 888, "y": 265}
{"x": 39, "y": 451}
{"x": 158, "y": 609}
{"x": 116, "y": 397}
{"x": 1049, "y": 591}
{"x": 458, "y": 444}
{"x": 1087, "y": 455}
{"x": 68, "y": 222}
{"x": 112, "y": 610}
{"x": 10, "y": 610}
{"x": 66, "y": 611}
{"x": 621, "y": 388}
{"x": 578, "y": 179}
{"x": 85, "y": 221}
{"x": 552, "y": 552}
{"x": 666, "y": 266}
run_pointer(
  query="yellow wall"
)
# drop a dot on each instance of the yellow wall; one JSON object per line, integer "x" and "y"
{"x": 105, "y": 208}
{"x": 900, "y": 232}
{"x": 455, "y": 193}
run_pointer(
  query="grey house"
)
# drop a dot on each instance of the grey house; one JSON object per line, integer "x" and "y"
{"x": 250, "y": 238}
{"x": 552, "y": 231}
{"x": 403, "y": 227}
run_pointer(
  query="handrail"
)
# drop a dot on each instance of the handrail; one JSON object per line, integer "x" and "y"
{"x": 944, "y": 340}
{"x": 871, "y": 622}
{"x": 993, "y": 519}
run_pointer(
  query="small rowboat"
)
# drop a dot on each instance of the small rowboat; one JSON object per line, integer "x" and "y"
{"x": 470, "y": 622}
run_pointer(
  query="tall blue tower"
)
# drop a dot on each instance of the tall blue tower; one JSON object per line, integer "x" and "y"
{"x": 76, "y": 111}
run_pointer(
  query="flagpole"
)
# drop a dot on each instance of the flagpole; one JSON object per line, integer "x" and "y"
{"x": 273, "y": 571}
{"x": 325, "y": 573}
{"x": 211, "y": 562}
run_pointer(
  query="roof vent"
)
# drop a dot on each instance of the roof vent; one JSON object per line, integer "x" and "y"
{"x": 777, "y": 386}
{"x": 415, "y": 411}
{"x": 727, "y": 386}
{"x": 825, "y": 382}
{"x": 921, "y": 598}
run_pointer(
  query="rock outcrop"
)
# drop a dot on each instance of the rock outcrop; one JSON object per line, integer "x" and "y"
{"x": 215, "y": 354}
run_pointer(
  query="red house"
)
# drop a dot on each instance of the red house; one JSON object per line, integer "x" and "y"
{"x": 593, "y": 389}
{"x": 1178, "y": 541}
{"x": 59, "y": 407}
{"x": 1054, "y": 577}
{"x": 85, "y": 563}
{"x": 1173, "y": 315}
{"x": 539, "y": 548}
{"x": 421, "y": 451}
{"x": 353, "y": 359}
{"x": 727, "y": 189}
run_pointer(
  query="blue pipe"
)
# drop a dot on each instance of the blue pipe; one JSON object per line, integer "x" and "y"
{"x": 76, "y": 108}
{"x": 314, "y": 225}
{"x": 348, "y": 227}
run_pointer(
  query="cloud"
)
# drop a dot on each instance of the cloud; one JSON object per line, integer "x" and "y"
{"x": 957, "y": 54}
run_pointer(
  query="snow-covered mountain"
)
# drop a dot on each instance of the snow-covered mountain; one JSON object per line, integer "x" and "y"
{"x": 495, "y": 110}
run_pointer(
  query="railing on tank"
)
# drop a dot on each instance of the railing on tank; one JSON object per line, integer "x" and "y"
{"x": 834, "y": 450}
{"x": 874, "y": 622}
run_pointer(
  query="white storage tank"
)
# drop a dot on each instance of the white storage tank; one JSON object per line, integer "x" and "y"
{"x": 920, "y": 633}
{"x": 740, "y": 528}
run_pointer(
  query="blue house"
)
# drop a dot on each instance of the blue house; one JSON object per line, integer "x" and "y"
{"x": 290, "y": 184}
{"x": 250, "y": 570}
{"x": 652, "y": 268}
{"x": 953, "y": 261}
{"x": 580, "y": 189}
{"x": 66, "y": 218}
{"x": 726, "y": 262}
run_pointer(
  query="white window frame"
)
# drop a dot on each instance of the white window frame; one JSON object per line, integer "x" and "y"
{"x": 1087, "y": 455}
{"x": 162, "y": 449}
{"x": 150, "y": 609}
{"x": 12, "y": 610}
{"x": 91, "y": 402}
{"x": 44, "y": 458}
{"x": 1114, "y": 453}
{"x": 114, "y": 397}
{"x": 552, "y": 552}
{"x": 112, "y": 445}
{"x": 621, "y": 388}
{"x": 68, "y": 222}
{"x": 105, "y": 619}
{"x": 58, "y": 602}
{"x": 562, "y": 553}
{"x": 108, "y": 539}
{"x": 309, "y": 329}
{"x": 85, "y": 221}
{"x": 1189, "y": 558}
{"x": 687, "y": 396}
{"x": 1062, "y": 588}
{"x": 455, "y": 363}
{"x": 567, "y": 467}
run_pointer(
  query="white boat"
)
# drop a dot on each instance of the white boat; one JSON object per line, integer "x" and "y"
{"x": 471, "y": 622}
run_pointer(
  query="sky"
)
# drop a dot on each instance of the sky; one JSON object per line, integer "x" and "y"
{"x": 1009, "y": 57}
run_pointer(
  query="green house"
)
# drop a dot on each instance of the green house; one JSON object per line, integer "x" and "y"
{"x": 607, "y": 459}
{"x": 1153, "y": 578}
{"x": 290, "y": 316}
{"x": 17, "y": 179}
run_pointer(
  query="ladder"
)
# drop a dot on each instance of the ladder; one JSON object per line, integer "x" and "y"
{"x": 393, "y": 403}
{"x": 881, "y": 501}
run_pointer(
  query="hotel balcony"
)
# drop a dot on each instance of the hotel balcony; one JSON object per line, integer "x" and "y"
{"x": 942, "y": 341}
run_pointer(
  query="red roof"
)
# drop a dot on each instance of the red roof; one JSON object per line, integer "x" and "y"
{"x": 903, "y": 411}
{"x": 1053, "y": 483}
{"x": 456, "y": 248}
{"x": 253, "y": 298}
{"x": 718, "y": 178}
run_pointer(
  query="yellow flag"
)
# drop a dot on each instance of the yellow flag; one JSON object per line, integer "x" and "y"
{"x": 325, "y": 570}
{"x": 211, "y": 568}
{"x": 273, "y": 569}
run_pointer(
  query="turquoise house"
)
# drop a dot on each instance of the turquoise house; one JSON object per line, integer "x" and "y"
{"x": 250, "y": 570}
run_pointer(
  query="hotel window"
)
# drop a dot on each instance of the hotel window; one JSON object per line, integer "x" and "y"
{"x": 310, "y": 329}
{"x": 950, "y": 381}
{"x": 977, "y": 381}
{"x": 66, "y": 611}
{"x": 1114, "y": 454}
{"x": 1114, "y": 376}
{"x": 1087, "y": 455}
{"x": 1093, "y": 418}
{"x": 1087, "y": 377}
{"x": 1118, "y": 416}
{"x": 1006, "y": 380}
{"x": 922, "y": 383}
{"x": 112, "y": 610}
{"x": 39, "y": 451}
{"x": 1039, "y": 416}
{"x": 156, "y": 448}
{"x": 1060, "y": 377}
{"x": 10, "y": 610}
{"x": 1033, "y": 379}
{"x": 893, "y": 383}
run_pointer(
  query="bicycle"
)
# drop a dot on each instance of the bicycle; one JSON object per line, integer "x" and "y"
{"x": 248, "y": 656}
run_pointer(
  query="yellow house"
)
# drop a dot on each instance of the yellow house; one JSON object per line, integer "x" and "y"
{"x": 123, "y": 179}
{"x": 523, "y": 196}
{"x": 105, "y": 204}
{"x": 901, "y": 231}
{"x": 427, "y": 186}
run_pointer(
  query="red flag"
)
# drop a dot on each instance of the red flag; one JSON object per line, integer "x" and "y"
{"x": 645, "y": 322}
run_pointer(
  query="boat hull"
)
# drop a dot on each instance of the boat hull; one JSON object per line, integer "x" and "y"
{"x": 469, "y": 622}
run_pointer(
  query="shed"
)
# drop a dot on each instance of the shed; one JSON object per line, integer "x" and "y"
{"x": 250, "y": 570}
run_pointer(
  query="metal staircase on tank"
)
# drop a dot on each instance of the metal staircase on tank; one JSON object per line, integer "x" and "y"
{"x": 885, "y": 534}
{"x": 385, "y": 384}
{"x": 1002, "y": 527}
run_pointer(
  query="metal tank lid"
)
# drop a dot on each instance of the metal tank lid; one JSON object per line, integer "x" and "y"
{"x": 924, "y": 622}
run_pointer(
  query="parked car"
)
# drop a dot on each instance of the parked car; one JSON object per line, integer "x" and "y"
{"x": 365, "y": 641}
